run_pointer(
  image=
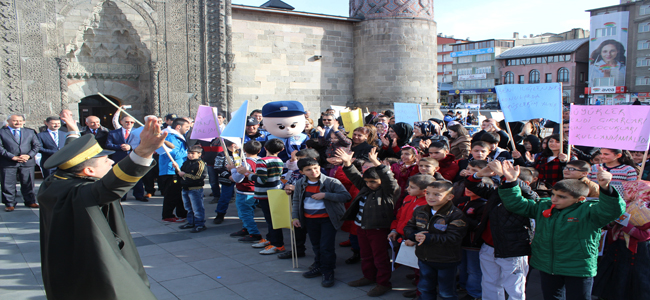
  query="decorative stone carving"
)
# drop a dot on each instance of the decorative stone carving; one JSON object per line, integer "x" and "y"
{"x": 10, "y": 60}
{"x": 377, "y": 9}
{"x": 155, "y": 95}
{"x": 219, "y": 54}
{"x": 63, "y": 80}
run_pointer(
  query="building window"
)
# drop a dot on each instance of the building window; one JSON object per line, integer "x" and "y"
{"x": 582, "y": 76}
{"x": 484, "y": 70}
{"x": 563, "y": 75}
{"x": 642, "y": 62}
{"x": 642, "y": 80}
{"x": 533, "y": 76}
{"x": 607, "y": 31}
{"x": 521, "y": 79}
{"x": 465, "y": 59}
{"x": 509, "y": 78}
{"x": 644, "y": 10}
{"x": 644, "y": 27}
{"x": 603, "y": 81}
{"x": 484, "y": 57}
{"x": 549, "y": 78}
{"x": 467, "y": 71}
{"x": 643, "y": 45}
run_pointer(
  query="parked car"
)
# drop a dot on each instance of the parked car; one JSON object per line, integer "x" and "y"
{"x": 491, "y": 105}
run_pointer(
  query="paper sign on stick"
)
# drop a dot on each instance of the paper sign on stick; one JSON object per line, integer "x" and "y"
{"x": 497, "y": 115}
{"x": 205, "y": 128}
{"x": 407, "y": 112}
{"x": 352, "y": 120}
{"x": 236, "y": 128}
{"x": 279, "y": 205}
{"x": 530, "y": 101}
{"x": 338, "y": 109}
{"x": 406, "y": 256}
{"x": 624, "y": 127}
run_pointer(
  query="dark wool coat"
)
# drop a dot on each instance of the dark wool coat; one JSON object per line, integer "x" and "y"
{"x": 87, "y": 251}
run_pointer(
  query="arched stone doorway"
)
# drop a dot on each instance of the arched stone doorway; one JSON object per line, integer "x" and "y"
{"x": 95, "y": 105}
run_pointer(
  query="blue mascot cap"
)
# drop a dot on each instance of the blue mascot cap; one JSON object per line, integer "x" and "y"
{"x": 282, "y": 109}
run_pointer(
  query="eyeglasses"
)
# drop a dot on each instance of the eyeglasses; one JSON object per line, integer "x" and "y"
{"x": 329, "y": 120}
{"x": 574, "y": 169}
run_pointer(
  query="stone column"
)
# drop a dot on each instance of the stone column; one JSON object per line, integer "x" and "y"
{"x": 155, "y": 94}
{"x": 63, "y": 63}
{"x": 219, "y": 53}
{"x": 395, "y": 49}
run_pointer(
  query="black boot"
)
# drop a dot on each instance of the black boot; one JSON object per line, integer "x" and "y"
{"x": 219, "y": 218}
{"x": 356, "y": 257}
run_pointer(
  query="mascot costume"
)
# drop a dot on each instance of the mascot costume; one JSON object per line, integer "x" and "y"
{"x": 285, "y": 120}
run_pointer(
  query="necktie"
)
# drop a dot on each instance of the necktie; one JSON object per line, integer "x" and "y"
{"x": 94, "y": 131}
{"x": 55, "y": 135}
{"x": 17, "y": 135}
{"x": 126, "y": 134}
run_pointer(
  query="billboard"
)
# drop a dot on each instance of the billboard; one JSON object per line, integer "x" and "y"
{"x": 472, "y": 52}
{"x": 607, "y": 47}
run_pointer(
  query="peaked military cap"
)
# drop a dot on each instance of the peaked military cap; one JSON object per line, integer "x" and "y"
{"x": 76, "y": 152}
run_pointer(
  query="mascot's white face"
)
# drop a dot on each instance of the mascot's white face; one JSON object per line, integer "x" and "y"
{"x": 286, "y": 126}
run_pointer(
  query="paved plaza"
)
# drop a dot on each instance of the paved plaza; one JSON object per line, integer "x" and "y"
{"x": 183, "y": 265}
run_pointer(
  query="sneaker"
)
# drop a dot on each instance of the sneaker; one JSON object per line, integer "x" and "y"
{"x": 240, "y": 233}
{"x": 328, "y": 279}
{"x": 345, "y": 244}
{"x": 378, "y": 290}
{"x": 270, "y": 249}
{"x": 410, "y": 294}
{"x": 180, "y": 220}
{"x": 261, "y": 243}
{"x": 186, "y": 226}
{"x": 361, "y": 282}
{"x": 251, "y": 238}
{"x": 355, "y": 258}
{"x": 287, "y": 255}
{"x": 174, "y": 220}
{"x": 214, "y": 200}
{"x": 198, "y": 229}
{"x": 315, "y": 272}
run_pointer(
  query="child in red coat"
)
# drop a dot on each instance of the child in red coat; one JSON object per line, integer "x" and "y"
{"x": 447, "y": 162}
{"x": 405, "y": 168}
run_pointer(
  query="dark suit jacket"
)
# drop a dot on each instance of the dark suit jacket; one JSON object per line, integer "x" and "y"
{"x": 9, "y": 147}
{"x": 101, "y": 137}
{"x": 48, "y": 146}
{"x": 115, "y": 139}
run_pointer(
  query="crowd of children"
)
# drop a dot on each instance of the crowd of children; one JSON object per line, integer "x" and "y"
{"x": 480, "y": 210}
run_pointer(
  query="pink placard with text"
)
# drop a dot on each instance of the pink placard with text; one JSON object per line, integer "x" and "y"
{"x": 624, "y": 127}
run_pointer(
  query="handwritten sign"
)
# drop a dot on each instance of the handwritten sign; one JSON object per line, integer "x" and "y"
{"x": 352, "y": 120}
{"x": 624, "y": 127}
{"x": 530, "y": 101}
{"x": 407, "y": 112}
{"x": 205, "y": 128}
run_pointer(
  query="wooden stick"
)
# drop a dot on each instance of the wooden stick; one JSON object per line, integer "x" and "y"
{"x": 512, "y": 140}
{"x": 561, "y": 121}
{"x": 223, "y": 144}
{"x": 140, "y": 123}
{"x": 645, "y": 157}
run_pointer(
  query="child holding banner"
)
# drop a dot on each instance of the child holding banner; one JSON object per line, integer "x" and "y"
{"x": 620, "y": 164}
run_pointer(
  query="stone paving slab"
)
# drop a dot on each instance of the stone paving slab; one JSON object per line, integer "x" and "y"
{"x": 183, "y": 265}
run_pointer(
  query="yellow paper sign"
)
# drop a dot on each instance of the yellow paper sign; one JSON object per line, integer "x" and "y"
{"x": 280, "y": 206}
{"x": 352, "y": 120}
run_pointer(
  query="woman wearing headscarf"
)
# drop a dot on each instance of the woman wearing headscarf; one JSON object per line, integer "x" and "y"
{"x": 460, "y": 141}
{"x": 399, "y": 135}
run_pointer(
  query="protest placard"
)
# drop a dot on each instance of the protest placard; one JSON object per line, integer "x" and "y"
{"x": 530, "y": 101}
{"x": 407, "y": 112}
{"x": 205, "y": 128}
{"x": 352, "y": 120}
{"x": 624, "y": 127}
{"x": 497, "y": 115}
{"x": 280, "y": 207}
{"x": 338, "y": 109}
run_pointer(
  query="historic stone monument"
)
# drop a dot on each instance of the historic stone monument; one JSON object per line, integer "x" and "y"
{"x": 164, "y": 56}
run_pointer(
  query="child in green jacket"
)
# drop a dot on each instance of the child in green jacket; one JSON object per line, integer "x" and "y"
{"x": 565, "y": 247}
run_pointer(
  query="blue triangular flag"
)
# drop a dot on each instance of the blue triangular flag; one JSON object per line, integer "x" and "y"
{"x": 236, "y": 128}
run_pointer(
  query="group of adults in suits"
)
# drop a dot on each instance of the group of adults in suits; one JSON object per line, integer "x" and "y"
{"x": 19, "y": 146}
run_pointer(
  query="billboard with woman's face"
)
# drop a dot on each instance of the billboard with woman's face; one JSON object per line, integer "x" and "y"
{"x": 607, "y": 47}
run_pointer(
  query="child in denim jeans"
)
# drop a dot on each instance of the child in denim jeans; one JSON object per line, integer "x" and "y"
{"x": 192, "y": 177}
{"x": 245, "y": 198}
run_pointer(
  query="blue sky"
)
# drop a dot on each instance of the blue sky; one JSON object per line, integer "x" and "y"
{"x": 482, "y": 19}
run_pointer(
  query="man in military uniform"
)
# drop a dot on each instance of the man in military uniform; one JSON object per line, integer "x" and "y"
{"x": 87, "y": 251}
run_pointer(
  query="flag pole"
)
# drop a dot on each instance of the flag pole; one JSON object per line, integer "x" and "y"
{"x": 140, "y": 123}
{"x": 561, "y": 121}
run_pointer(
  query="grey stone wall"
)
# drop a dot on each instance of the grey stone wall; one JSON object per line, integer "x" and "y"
{"x": 274, "y": 59}
{"x": 395, "y": 61}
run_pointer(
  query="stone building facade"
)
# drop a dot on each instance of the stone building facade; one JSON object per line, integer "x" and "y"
{"x": 169, "y": 56}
